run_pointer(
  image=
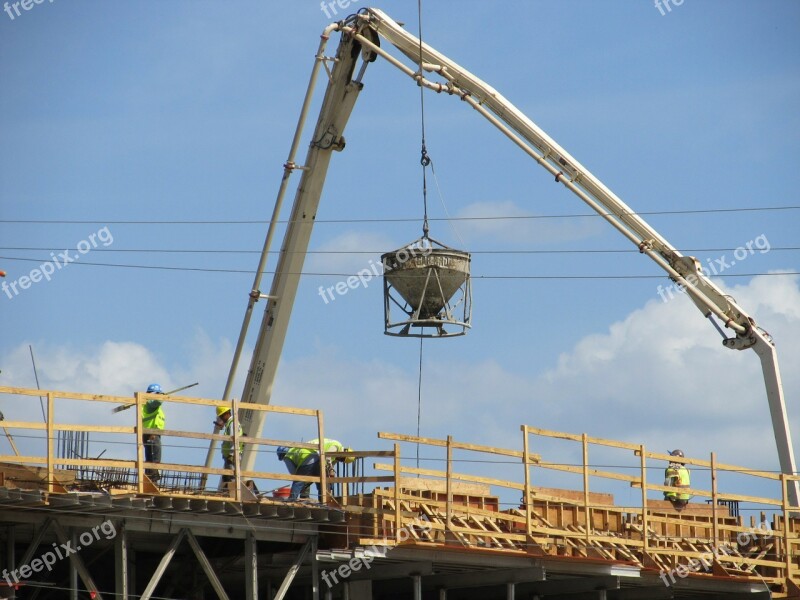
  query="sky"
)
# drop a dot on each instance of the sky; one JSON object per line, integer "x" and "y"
{"x": 150, "y": 137}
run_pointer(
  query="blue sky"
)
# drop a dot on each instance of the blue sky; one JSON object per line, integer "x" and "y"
{"x": 134, "y": 116}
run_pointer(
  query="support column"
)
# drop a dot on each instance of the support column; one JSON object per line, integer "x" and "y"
{"x": 251, "y": 566}
{"x": 417, "y": 579}
{"x": 11, "y": 559}
{"x": 510, "y": 591}
{"x": 314, "y": 568}
{"x": 121, "y": 562}
{"x": 73, "y": 567}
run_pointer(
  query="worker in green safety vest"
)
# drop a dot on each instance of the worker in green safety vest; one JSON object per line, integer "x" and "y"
{"x": 677, "y": 475}
{"x": 152, "y": 418}
{"x": 225, "y": 423}
{"x": 305, "y": 461}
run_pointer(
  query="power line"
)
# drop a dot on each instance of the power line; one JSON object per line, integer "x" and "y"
{"x": 314, "y": 274}
{"x": 390, "y": 219}
{"x": 632, "y": 251}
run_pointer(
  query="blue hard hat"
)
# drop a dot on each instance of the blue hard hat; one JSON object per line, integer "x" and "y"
{"x": 154, "y": 388}
{"x": 281, "y": 451}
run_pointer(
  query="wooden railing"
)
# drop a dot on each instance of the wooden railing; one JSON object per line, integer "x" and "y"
{"x": 451, "y": 507}
{"x": 130, "y": 437}
{"x": 579, "y": 521}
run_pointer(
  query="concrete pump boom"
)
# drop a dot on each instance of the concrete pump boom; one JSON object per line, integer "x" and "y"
{"x": 360, "y": 34}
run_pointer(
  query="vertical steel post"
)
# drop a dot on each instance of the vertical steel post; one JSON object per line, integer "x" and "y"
{"x": 121, "y": 562}
{"x": 251, "y": 566}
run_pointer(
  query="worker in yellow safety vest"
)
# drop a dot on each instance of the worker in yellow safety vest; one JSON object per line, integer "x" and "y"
{"x": 225, "y": 422}
{"x": 153, "y": 417}
{"x": 677, "y": 475}
{"x": 305, "y": 461}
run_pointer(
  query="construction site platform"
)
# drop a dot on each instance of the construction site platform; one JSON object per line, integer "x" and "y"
{"x": 482, "y": 525}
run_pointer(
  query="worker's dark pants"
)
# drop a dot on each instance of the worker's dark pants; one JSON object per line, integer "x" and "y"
{"x": 229, "y": 465}
{"x": 301, "y": 489}
{"x": 678, "y": 504}
{"x": 152, "y": 453}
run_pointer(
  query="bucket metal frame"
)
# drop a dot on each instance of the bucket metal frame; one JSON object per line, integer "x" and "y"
{"x": 452, "y": 309}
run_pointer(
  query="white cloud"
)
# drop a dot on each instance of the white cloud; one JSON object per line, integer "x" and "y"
{"x": 484, "y": 224}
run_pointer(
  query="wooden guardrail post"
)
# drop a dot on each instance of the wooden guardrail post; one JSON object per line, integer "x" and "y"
{"x": 323, "y": 463}
{"x": 527, "y": 499}
{"x": 139, "y": 445}
{"x": 397, "y": 493}
{"x": 787, "y": 545}
{"x": 51, "y": 413}
{"x": 237, "y": 479}
{"x": 449, "y": 486}
{"x": 643, "y": 464}
{"x": 714, "y": 499}
{"x": 586, "y": 507}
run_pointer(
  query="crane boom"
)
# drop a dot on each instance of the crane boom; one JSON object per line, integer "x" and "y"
{"x": 362, "y": 32}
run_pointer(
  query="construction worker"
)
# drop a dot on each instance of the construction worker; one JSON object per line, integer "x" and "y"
{"x": 225, "y": 422}
{"x": 305, "y": 461}
{"x": 153, "y": 418}
{"x": 677, "y": 475}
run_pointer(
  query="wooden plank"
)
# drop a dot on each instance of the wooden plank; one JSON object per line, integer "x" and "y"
{"x": 725, "y": 557}
{"x": 139, "y": 446}
{"x": 594, "y": 472}
{"x": 65, "y": 395}
{"x": 720, "y": 466}
{"x": 51, "y": 440}
{"x": 23, "y": 460}
{"x": 705, "y": 494}
{"x": 364, "y": 479}
{"x": 361, "y": 453}
{"x": 396, "y": 469}
{"x": 437, "y": 485}
{"x": 643, "y": 477}
{"x": 460, "y": 476}
{"x": 527, "y": 478}
{"x": 96, "y": 428}
{"x": 58, "y": 394}
{"x": 25, "y": 425}
{"x": 577, "y": 438}
{"x": 96, "y": 462}
{"x": 503, "y": 516}
{"x": 457, "y": 445}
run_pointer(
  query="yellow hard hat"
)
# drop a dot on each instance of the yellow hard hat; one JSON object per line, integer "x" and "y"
{"x": 222, "y": 409}
{"x": 349, "y": 459}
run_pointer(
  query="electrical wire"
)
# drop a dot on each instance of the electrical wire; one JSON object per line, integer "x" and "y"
{"x": 389, "y": 219}
{"x": 632, "y": 251}
{"x": 345, "y": 275}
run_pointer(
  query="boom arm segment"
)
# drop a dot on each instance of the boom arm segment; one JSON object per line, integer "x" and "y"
{"x": 363, "y": 31}
{"x": 340, "y": 97}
